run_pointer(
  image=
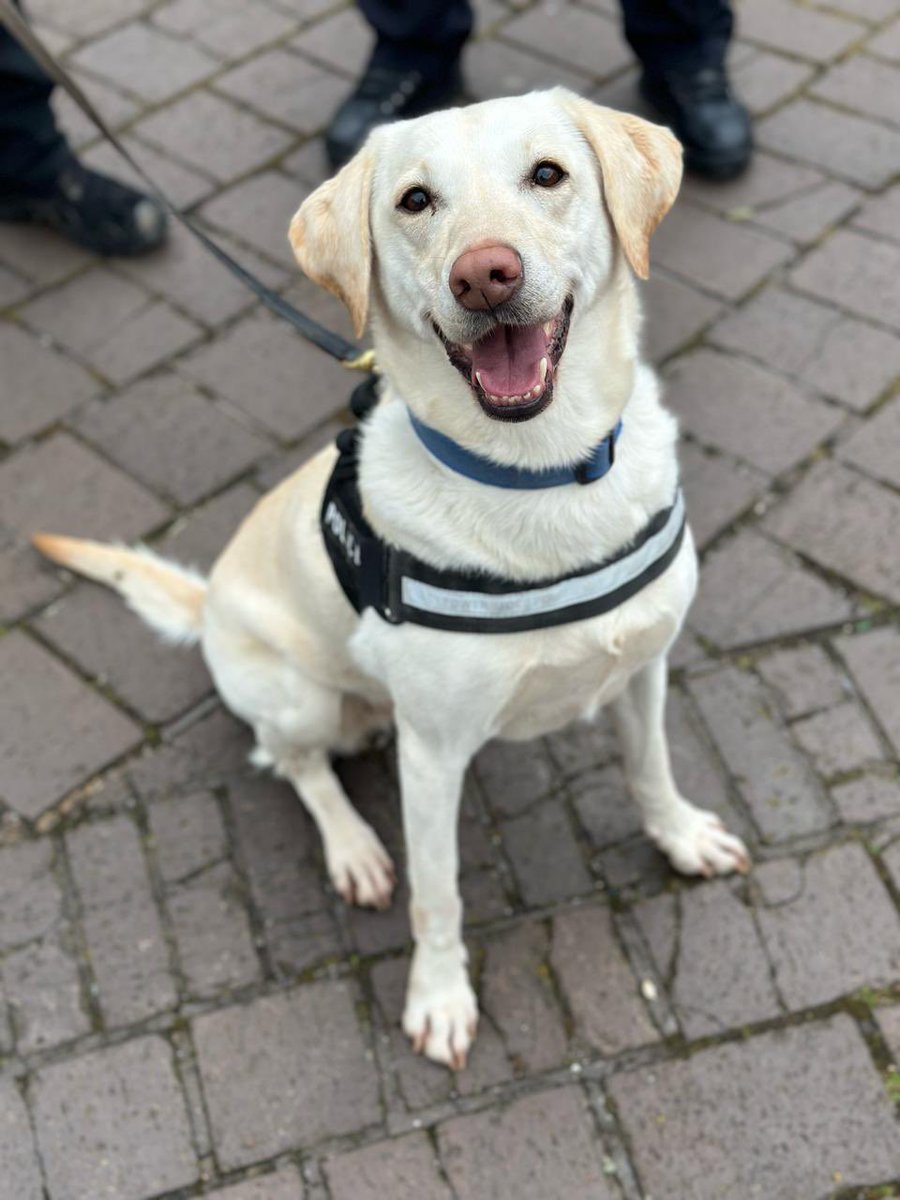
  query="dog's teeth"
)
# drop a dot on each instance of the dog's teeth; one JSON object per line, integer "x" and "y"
{"x": 543, "y": 369}
{"x": 548, "y": 329}
{"x": 478, "y": 381}
{"x": 467, "y": 346}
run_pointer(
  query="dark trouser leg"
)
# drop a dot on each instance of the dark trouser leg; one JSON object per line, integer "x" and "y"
{"x": 678, "y": 35}
{"x": 427, "y": 35}
{"x": 32, "y": 149}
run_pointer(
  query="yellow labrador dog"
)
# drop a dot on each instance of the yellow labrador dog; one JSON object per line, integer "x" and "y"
{"x": 493, "y": 250}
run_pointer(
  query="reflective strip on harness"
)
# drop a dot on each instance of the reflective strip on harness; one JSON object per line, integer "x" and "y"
{"x": 565, "y": 594}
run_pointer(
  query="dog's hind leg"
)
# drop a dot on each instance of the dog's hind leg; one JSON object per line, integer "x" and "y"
{"x": 358, "y": 864}
{"x": 695, "y": 841}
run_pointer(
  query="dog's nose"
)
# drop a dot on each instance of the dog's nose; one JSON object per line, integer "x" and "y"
{"x": 486, "y": 276}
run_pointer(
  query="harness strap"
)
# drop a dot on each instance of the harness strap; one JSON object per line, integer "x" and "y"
{"x": 403, "y": 588}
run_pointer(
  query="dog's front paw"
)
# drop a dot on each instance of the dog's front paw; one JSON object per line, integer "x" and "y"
{"x": 697, "y": 843}
{"x": 441, "y": 1013}
{"x": 360, "y": 867}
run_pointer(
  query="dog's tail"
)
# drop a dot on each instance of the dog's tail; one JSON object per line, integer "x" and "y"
{"x": 169, "y": 597}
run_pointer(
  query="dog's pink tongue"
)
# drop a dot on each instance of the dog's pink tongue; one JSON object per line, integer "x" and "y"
{"x": 508, "y": 360}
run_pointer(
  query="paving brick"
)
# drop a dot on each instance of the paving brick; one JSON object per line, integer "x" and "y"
{"x": 798, "y": 30}
{"x": 751, "y": 591}
{"x": 834, "y": 933}
{"x": 719, "y": 256}
{"x": 697, "y": 771}
{"x": 213, "y": 934}
{"x": 142, "y": 60}
{"x": 286, "y": 88}
{"x": 804, "y": 677}
{"x": 766, "y": 181}
{"x": 872, "y": 447}
{"x": 184, "y": 187}
{"x": 273, "y": 1082}
{"x": 17, "y": 1151}
{"x": 343, "y": 42}
{"x": 496, "y": 69}
{"x": 764, "y": 80}
{"x": 260, "y": 365}
{"x": 208, "y": 752}
{"x": 30, "y": 895}
{"x": 277, "y": 842}
{"x": 113, "y": 1123}
{"x": 79, "y": 129}
{"x": 880, "y": 214}
{"x": 37, "y": 254}
{"x": 279, "y": 1185}
{"x": 125, "y": 939}
{"x": 404, "y": 1169}
{"x": 604, "y": 808}
{"x": 164, "y": 432}
{"x": 708, "y": 953}
{"x": 42, "y": 988}
{"x": 889, "y": 1021}
{"x": 862, "y": 84}
{"x": 584, "y": 744}
{"x": 891, "y": 859}
{"x": 599, "y": 985}
{"x": 585, "y": 40}
{"x": 517, "y": 995}
{"x": 515, "y": 775}
{"x": 867, "y": 10}
{"x": 92, "y": 18}
{"x": 852, "y": 147}
{"x": 636, "y": 862}
{"x": 94, "y": 629}
{"x": 111, "y": 323}
{"x": 550, "y": 1138}
{"x": 187, "y": 833}
{"x": 839, "y": 739}
{"x": 870, "y": 798}
{"x": 227, "y": 28}
{"x": 805, "y": 218}
{"x": 874, "y": 662}
{"x": 887, "y": 43}
{"x": 185, "y": 273}
{"x": 544, "y": 877}
{"x": 858, "y": 273}
{"x": 200, "y": 537}
{"x": 717, "y": 488}
{"x": 735, "y": 406}
{"x": 844, "y": 522}
{"x": 811, "y": 1105}
{"x": 837, "y": 355}
{"x": 258, "y": 211}
{"x": 55, "y": 731}
{"x": 773, "y": 779}
{"x": 211, "y": 134}
{"x": 673, "y": 314}
{"x": 38, "y": 387}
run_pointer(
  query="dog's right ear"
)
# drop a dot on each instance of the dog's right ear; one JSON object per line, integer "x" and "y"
{"x": 331, "y": 240}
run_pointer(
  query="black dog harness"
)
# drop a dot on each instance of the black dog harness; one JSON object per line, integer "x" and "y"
{"x": 401, "y": 587}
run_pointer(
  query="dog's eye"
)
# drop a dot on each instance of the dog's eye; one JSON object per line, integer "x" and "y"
{"x": 415, "y": 200}
{"x": 547, "y": 174}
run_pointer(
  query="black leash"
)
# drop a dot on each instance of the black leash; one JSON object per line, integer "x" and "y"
{"x": 347, "y": 353}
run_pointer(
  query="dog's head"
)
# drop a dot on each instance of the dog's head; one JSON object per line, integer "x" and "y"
{"x": 479, "y": 234}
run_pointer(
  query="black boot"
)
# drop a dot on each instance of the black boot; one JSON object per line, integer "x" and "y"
{"x": 710, "y": 122}
{"x": 91, "y": 209}
{"x": 387, "y": 94}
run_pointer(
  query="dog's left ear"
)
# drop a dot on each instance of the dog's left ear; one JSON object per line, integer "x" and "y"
{"x": 330, "y": 236}
{"x": 640, "y": 164}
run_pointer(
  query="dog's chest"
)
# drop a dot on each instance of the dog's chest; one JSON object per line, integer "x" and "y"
{"x": 581, "y": 672}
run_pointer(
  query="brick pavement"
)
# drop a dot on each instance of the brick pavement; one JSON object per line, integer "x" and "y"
{"x": 185, "y": 1008}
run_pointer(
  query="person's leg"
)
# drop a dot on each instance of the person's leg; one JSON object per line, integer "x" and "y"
{"x": 682, "y": 45}
{"x": 42, "y": 181}
{"x": 414, "y": 68}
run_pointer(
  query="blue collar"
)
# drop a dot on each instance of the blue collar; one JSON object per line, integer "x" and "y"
{"x": 482, "y": 470}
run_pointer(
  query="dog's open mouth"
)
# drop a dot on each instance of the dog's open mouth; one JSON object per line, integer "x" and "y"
{"x": 512, "y": 369}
